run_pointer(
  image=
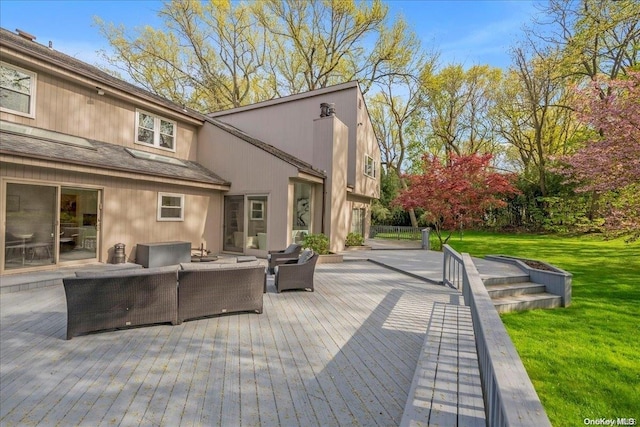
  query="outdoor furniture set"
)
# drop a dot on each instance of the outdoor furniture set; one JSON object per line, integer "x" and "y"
{"x": 172, "y": 294}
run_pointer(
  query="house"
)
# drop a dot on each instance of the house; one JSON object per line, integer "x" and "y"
{"x": 327, "y": 129}
{"x": 88, "y": 161}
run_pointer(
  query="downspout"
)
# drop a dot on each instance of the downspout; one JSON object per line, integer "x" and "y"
{"x": 324, "y": 200}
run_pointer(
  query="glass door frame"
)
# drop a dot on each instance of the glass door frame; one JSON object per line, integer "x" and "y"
{"x": 4, "y": 181}
{"x": 246, "y": 219}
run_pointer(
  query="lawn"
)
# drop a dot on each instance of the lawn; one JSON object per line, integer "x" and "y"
{"x": 584, "y": 360}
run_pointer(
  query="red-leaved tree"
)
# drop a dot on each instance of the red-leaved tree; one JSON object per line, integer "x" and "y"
{"x": 457, "y": 192}
{"x": 609, "y": 164}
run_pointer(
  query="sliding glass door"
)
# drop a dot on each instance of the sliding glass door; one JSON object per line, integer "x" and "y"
{"x": 49, "y": 224}
{"x": 78, "y": 224}
{"x": 30, "y": 218}
{"x": 245, "y": 224}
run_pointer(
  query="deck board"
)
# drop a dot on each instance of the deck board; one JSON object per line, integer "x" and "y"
{"x": 342, "y": 355}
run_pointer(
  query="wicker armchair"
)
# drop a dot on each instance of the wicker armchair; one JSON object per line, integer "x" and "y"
{"x": 275, "y": 258}
{"x": 297, "y": 274}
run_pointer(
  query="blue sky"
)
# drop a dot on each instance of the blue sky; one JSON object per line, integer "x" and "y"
{"x": 468, "y": 32}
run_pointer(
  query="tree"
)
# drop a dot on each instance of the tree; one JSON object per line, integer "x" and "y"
{"x": 456, "y": 193}
{"x": 610, "y": 162}
{"x": 457, "y": 105}
{"x": 209, "y": 55}
{"x": 392, "y": 115}
{"x": 533, "y": 114}
{"x": 315, "y": 44}
{"x": 217, "y": 54}
{"x": 595, "y": 36}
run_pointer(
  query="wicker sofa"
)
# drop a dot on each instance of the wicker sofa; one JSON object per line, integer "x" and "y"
{"x": 105, "y": 300}
{"x": 115, "y": 299}
{"x": 207, "y": 289}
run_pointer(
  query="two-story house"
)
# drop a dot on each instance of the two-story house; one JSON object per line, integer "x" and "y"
{"x": 328, "y": 128}
{"x": 88, "y": 161}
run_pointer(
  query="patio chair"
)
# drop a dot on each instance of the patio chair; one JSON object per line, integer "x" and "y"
{"x": 280, "y": 257}
{"x": 297, "y": 274}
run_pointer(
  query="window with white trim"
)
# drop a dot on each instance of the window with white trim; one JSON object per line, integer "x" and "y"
{"x": 17, "y": 90}
{"x": 369, "y": 166}
{"x": 170, "y": 207}
{"x": 155, "y": 131}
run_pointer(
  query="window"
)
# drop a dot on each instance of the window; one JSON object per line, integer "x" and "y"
{"x": 369, "y": 166}
{"x": 170, "y": 207}
{"x": 257, "y": 210}
{"x": 17, "y": 90}
{"x": 155, "y": 131}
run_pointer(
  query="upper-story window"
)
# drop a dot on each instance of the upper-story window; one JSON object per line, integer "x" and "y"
{"x": 155, "y": 131}
{"x": 369, "y": 166}
{"x": 17, "y": 90}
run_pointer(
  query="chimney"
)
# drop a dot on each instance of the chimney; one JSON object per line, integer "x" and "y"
{"x": 25, "y": 35}
{"x": 327, "y": 109}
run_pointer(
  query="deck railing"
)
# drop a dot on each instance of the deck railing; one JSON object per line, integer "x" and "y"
{"x": 395, "y": 232}
{"x": 510, "y": 399}
{"x": 452, "y": 268}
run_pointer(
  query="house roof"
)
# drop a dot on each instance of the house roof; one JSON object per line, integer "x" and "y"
{"x": 301, "y": 165}
{"x": 72, "y": 155}
{"x": 105, "y": 156}
{"x": 69, "y": 63}
{"x": 290, "y": 98}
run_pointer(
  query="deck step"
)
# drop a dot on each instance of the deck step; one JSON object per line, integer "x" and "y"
{"x": 514, "y": 289}
{"x": 526, "y": 302}
{"x": 490, "y": 281}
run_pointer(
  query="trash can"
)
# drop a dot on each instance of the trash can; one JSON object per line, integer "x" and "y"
{"x": 118, "y": 254}
{"x": 425, "y": 239}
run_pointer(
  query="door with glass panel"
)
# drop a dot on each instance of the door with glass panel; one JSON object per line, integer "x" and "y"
{"x": 30, "y": 225}
{"x": 233, "y": 223}
{"x": 78, "y": 232}
{"x": 245, "y": 224}
{"x": 256, "y": 240}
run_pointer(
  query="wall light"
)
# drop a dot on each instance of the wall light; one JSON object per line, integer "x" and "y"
{"x": 100, "y": 91}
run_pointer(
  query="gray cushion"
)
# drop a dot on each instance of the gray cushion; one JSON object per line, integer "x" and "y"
{"x": 200, "y": 266}
{"x": 127, "y": 272}
{"x": 291, "y": 248}
{"x": 305, "y": 256}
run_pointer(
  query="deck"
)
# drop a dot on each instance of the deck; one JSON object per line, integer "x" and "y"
{"x": 343, "y": 355}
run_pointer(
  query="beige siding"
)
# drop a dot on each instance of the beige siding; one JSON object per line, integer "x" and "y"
{"x": 288, "y": 125}
{"x": 251, "y": 171}
{"x": 130, "y": 208}
{"x": 67, "y": 107}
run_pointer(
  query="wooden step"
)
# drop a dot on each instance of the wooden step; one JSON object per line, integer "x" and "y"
{"x": 526, "y": 302}
{"x": 514, "y": 289}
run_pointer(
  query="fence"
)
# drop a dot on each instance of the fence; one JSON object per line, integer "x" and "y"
{"x": 395, "y": 232}
{"x": 510, "y": 399}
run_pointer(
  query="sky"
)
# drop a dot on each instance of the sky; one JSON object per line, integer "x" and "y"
{"x": 468, "y": 32}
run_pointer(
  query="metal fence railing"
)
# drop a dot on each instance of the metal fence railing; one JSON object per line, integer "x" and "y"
{"x": 395, "y": 232}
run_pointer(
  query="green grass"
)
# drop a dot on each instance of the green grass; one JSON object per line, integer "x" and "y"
{"x": 584, "y": 360}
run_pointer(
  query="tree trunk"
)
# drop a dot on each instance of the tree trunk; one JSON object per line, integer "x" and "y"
{"x": 412, "y": 213}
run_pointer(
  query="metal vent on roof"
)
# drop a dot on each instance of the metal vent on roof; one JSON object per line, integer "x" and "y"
{"x": 25, "y": 35}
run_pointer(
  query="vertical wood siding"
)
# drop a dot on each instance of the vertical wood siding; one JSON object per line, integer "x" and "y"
{"x": 130, "y": 208}
{"x": 66, "y": 107}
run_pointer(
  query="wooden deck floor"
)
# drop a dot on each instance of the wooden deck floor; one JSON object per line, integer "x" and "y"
{"x": 342, "y": 355}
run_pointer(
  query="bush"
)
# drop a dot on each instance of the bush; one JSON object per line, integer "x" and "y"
{"x": 354, "y": 239}
{"x": 319, "y": 243}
